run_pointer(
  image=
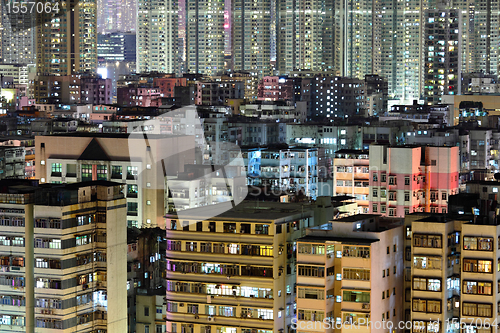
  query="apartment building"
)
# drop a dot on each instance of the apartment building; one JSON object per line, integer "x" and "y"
{"x": 334, "y": 138}
{"x": 276, "y": 111}
{"x": 218, "y": 92}
{"x": 234, "y": 273}
{"x": 84, "y": 157}
{"x": 350, "y": 271}
{"x": 146, "y": 282}
{"x": 442, "y": 49}
{"x": 351, "y": 176}
{"x": 72, "y": 89}
{"x": 200, "y": 186}
{"x": 215, "y": 131}
{"x": 204, "y": 36}
{"x": 252, "y": 36}
{"x": 486, "y": 189}
{"x": 12, "y": 162}
{"x": 339, "y": 97}
{"x": 139, "y": 95}
{"x": 479, "y": 147}
{"x": 274, "y": 88}
{"x": 451, "y": 273}
{"x": 433, "y": 136}
{"x": 480, "y": 144}
{"x": 410, "y": 179}
{"x": 283, "y": 168}
{"x": 248, "y": 131}
{"x": 74, "y": 272}
{"x": 153, "y": 55}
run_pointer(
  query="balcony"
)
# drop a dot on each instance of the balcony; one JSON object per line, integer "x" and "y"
{"x": 355, "y": 306}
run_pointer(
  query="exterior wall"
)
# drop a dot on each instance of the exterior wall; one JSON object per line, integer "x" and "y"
{"x": 442, "y": 230}
{"x": 409, "y": 185}
{"x": 490, "y": 102}
{"x": 202, "y": 36}
{"x": 251, "y": 32}
{"x": 293, "y": 169}
{"x": 381, "y": 258}
{"x": 451, "y": 270}
{"x": 162, "y": 57}
{"x": 155, "y": 311}
{"x": 331, "y": 138}
{"x": 61, "y": 275}
{"x": 290, "y": 112}
{"x": 351, "y": 177}
{"x": 442, "y": 26}
{"x": 339, "y": 97}
{"x": 269, "y": 288}
{"x": 274, "y": 88}
{"x": 167, "y": 85}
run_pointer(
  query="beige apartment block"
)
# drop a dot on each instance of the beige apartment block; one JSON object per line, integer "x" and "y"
{"x": 79, "y": 157}
{"x": 350, "y": 276}
{"x": 73, "y": 274}
{"x": 235, "y": 273}
{"x": 451, "y": 273}
{"x": 351, "y": 176}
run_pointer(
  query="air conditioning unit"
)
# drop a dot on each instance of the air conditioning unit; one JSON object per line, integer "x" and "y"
{"x": 366, "y": 306}
{"x": 211, "y": 319}
{"x": 181, "y": 304}
{"x": 196, "y": 317}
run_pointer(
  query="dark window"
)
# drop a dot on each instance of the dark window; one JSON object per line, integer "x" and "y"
{"x": 245, "y": 228}
{"x": 146, "y": 311}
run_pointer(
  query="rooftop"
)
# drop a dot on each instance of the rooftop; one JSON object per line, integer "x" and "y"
{"x": 246, "y": 211}
{"x": 352, "y": 151}
{"x": 113, "y": 135}
{"x": 339, "y": 198}
{"x": 443, "y": 218}
{"x": 343, "y": 240}
{"x": 357, "y": 217}
{"x": 484, "y": 182}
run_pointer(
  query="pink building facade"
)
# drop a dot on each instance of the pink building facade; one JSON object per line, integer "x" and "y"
{"x": 273, "y": 88}
{"x": 139, "y": 96}
{"x": 404, "y": 180}
{"x": 167, "y": 85}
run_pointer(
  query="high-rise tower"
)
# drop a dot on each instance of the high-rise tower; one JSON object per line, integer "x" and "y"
{"x": 18, "y": 38}
{"x": 205, "y": 36}
{"x": 67, "y": 44}
{"x": 442, "y": 54}
{"x": 116, "y": 16}
{"x": 304, "y": 35}
{"x": 251, "y": 36}
{"x": 157, "y": 36}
